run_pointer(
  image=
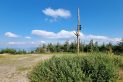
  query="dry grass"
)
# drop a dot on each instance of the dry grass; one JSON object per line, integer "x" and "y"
{"x": 14, "y": 67}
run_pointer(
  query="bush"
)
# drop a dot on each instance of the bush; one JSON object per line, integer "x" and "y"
{"x": 8, "y": 50}
{"x": 91, "y": 68}
{"x": 12, "y": 51}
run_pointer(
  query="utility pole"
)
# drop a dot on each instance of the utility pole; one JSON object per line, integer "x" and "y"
{"x": 78, "y": 31}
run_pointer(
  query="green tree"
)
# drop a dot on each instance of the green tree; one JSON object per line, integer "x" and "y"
{"x": 109, "y": 48}
{"x": 96, "y": 47}
{"x": 57, "y": 48}
{"x": 81, "y": 47}
{"x": 51, "y": 48}
{"x": 8, "y": 50}
{"x": 102, "y": 48}
{"x": 66, "y": 46}
{"x": 21, "y": 52}
{"x": 72, "y": 47}
{"x": 91, "y": 46}
{"x": 119, "y": 47}
{"x": 41, "y": 49}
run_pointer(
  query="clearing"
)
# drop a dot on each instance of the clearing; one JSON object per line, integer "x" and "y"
{"x": 14, "y": 68}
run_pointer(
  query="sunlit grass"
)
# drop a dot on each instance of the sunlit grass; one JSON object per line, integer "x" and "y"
{"x": 22, "y": 61}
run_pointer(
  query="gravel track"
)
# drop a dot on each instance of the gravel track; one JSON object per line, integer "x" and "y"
{"x": 16, "y": 68}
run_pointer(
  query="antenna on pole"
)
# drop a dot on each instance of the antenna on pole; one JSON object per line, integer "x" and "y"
{"x": 78, "y": 31}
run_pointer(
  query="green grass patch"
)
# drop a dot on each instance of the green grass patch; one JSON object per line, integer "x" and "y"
{"x": 2, "y": 56}
{"x": 72, "y": 68}
{"x": 23, "y": 68}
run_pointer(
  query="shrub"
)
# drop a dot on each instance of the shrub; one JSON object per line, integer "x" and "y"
{"x": 91, "y": 68}
{"x": 12, "y": 51}
{"x": 8, "y": 50}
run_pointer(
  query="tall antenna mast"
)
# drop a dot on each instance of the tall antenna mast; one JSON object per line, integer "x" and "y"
{"x": 78, "y": 31}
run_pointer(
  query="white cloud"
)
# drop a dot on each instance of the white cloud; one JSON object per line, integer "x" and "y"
{"x": 57, "y": 13}
{"x": 115, "y": 39}
{"x": 63, "y": 34}
{"x": 25, "y": 43}
{"x": 101, "y": 39}
{"x": 15, "y": 43}
{"x": 53, "y": 37}
{"x": 43, "y": 42}
{"x": 22, "y": 44}
{"x": 28, "y": 37}
{"x": 11, "y": 35}
{"x": 96, "y": 37}
{"x": 43, "y": 33}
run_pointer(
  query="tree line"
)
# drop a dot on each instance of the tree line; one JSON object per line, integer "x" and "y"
{"x": 71, "y": 48}
{"x": 13, "y": 51}
{"x": 90, "y": 47}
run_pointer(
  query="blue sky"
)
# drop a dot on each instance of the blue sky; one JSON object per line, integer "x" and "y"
{"x": 31, "y": 22}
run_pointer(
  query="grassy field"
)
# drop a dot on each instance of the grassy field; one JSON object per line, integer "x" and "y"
{"x": 14, "y": 67}
{"x": 121, "y": 70}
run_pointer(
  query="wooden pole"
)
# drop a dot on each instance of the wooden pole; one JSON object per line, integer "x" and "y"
{"x": 78, "y": 31}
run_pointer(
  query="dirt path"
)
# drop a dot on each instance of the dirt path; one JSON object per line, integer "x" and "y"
{"x": 15, "y": 68}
